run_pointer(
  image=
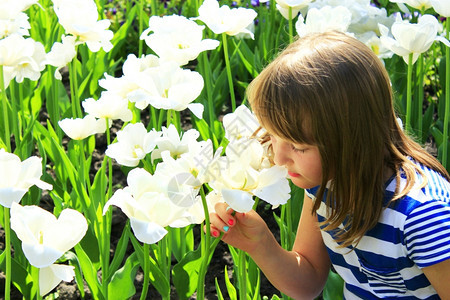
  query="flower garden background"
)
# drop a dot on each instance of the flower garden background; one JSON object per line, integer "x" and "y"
{"x": 140, "y": 107}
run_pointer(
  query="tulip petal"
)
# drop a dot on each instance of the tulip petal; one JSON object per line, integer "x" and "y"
{"x": 147, "y": 232}
{"x": 11, "y": 195}
{"x": 51, "y": 276}
{"x": 238, "y": 200}
{"x": 40, "y": 255}
{"x": 68, "y": 230}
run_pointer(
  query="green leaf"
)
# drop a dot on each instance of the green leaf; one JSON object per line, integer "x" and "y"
{"x": 121, "y": 249}
{"x": 89, "y": 272}
{"x": 157, "y": 277}
{"x": 185, "y": 273}
{"x": 230, "y": 288}
{"x": 19, "y": 276}
{"x": 122, "y": 282}
{"x": 334, "y": 287}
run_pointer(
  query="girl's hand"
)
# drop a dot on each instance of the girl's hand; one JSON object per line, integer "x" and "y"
{"x": 245, "y": 231}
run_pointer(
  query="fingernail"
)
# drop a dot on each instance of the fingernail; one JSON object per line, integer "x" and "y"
{"x": 225, "y": 228}
{"x": 215, "y": 234}
{"x": 230, "y": 222}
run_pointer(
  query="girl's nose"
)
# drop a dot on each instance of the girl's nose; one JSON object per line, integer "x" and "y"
{"x": 281, "y": 151}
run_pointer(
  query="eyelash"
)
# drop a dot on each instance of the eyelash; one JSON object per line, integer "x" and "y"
{"x": 298, "y": 150}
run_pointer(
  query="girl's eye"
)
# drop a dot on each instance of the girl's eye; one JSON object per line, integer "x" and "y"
{"x": 298, "y": 150}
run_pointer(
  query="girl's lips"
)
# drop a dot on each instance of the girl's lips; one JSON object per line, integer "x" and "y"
{"x": 291, "y": 174}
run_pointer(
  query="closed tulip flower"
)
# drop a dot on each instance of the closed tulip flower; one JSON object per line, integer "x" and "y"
{"x": 81, "y": 128}
{"x": 17, "y": 176}
{"x": 224, "y": 19}
{"x": 283, "y": 7}
{"x": 410, "y": 38}
{"x": 108, "y": 106}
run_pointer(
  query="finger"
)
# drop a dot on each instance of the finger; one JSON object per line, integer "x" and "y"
{"x": 226, "y": 213}
{"x": 218, "y": 223}
{"x": 215, "y": 232}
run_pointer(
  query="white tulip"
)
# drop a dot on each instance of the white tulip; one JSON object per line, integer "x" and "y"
{"x": 410, "y": 38}
{"x": 225, "y": 20}
{"x": 325, "y": 19}
{"x": 15, "y": 50}
{"x": 442, "y": 7}
{"x": 17, "y": 176}
{"x": 418, "y": 4}
{"x": 146, "y": 204}
{"x": 80, "y": 18}
{"x": 17, "y": 24}
{"x": 133, "y": 144}
{"x": 283, "y": 7}
{"x": 186, "y": 174}
{"x": 177, "y": 38}
{"x": 240, "y": 123}
{"x": 10, "y": 9}
{"x": 61, "y": 54}
{"x": 44, "y": 237}
{"x": 170, "y": 140}
{"x": 169, "y": 87}
{"x": 33, "y": 66}
{"x": 246, "y": 172}
{"x": 133, "y": 68}
{"x": 110, "y": 106}
{"x": 81, "y": 128}
{"x": 373, "y": 42}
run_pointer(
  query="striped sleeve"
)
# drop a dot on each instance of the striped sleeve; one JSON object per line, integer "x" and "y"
{"x": 427, "y": 233}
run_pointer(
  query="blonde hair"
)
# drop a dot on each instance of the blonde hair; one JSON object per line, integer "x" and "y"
{"x": 332, "y": 91}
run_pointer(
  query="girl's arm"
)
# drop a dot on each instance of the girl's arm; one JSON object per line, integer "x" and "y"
{"x": 300, "y": 273}
{"x": 439, "y": 277}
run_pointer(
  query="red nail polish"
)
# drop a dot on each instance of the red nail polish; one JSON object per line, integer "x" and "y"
{"x": 230, "y": 222}
{"x": 215, "y": 234}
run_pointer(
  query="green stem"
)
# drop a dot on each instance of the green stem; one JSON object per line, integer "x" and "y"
{"x": 207, "y": 77}
{"x": 14, "y": 114}
{"x": 106, "y": 221}
{"x": 409, "y": 95}
{"x": 169, "y": 118}
{"x": 146, "y": 271}
{"x": 154, "y": 118}
{"x": 242, "y": 274}
{"x": 229, "y": 75}
{"x": 420, "y": 99}
{"x": 288, "y": 216}
{"x": 35, "y": 276}
{"x": 8, "y": 252}
{"x": 154, "y": 4}
{"x": 447, "y": 98}
{"x": 5, "y": 111}
{"x": 291, "y": 27}
{"x": 206, "y": 247}
{"x": 141, "y": 25}
{"x": 76, "y": 108}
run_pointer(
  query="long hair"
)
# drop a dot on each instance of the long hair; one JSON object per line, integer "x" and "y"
{"x": 330, "y": 90}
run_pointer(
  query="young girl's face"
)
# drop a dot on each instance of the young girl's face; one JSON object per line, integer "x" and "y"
{"x": 302, "y": 161}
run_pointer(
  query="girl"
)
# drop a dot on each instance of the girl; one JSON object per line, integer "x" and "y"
{"x": 376, "y": 207}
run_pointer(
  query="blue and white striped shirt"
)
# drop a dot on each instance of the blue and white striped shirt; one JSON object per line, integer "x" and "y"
{"x": 412, "y": 233}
